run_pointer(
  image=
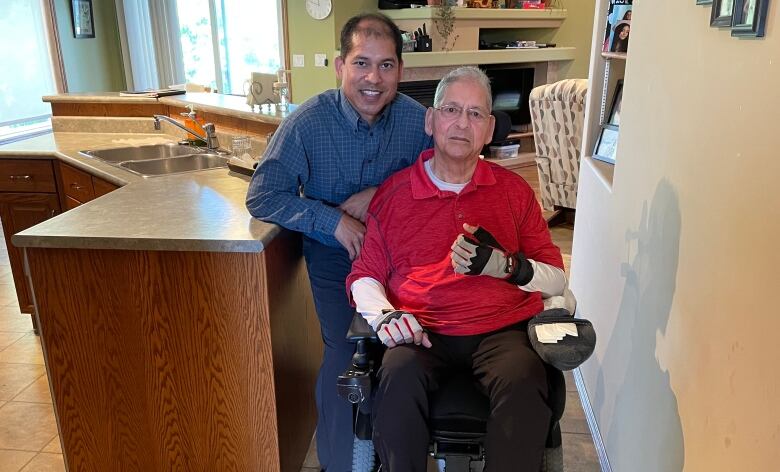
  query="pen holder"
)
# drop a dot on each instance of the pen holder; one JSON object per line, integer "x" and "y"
{"x": 423, "y": 44}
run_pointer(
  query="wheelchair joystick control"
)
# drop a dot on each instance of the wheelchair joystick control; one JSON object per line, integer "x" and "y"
{"x": 354, "y": 385}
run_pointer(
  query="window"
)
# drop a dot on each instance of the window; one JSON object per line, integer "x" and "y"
{"x": 224, "y": 41}
{"x": 28, "y": 72}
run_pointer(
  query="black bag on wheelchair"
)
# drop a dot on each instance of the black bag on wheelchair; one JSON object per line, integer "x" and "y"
{"x": 569, "y": 351}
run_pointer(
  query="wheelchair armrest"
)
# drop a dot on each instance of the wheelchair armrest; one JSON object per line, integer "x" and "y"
{"x": 359, "y": 330}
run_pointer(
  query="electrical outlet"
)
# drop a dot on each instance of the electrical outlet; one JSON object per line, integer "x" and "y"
{"x": 298, "y": 60}
{"x": 320, "y": 60}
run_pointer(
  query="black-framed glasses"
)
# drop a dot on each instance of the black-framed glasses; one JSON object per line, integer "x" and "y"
{"x": 453, "y": 112}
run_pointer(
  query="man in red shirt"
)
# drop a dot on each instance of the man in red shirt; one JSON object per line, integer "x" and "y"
{"x": 456, "y": 259}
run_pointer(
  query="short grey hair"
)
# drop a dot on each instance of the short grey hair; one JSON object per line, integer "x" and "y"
{"x": 464, "y": 73}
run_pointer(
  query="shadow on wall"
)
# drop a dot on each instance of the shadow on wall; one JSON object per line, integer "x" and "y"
{"x": 644, "y": 431}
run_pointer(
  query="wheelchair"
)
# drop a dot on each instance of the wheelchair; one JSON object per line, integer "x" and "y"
{"x": 458, "y": 411}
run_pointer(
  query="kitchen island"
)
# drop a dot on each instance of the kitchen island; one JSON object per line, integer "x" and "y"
{"x": 178, "y": 332}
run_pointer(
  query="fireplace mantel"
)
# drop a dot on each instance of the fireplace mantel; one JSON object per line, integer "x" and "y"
{"x": 487, "y": 56}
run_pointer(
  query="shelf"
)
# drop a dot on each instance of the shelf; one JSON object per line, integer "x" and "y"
{"x": 614, "y": 55}
{"x": 604, "y": 170}
{"x": 523, "y": 159}
{"x": 487, "y": 17}
{"x": 487, "y": 56}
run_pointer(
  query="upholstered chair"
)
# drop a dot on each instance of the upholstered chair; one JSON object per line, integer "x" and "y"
{"x": 557, "y": 116}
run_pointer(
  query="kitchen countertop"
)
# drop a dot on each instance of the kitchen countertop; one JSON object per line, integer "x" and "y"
{"x": 198, "y": 211}
{"x": 92, "y": 97}
{"x": 232, "y": 105}
{"x": 228, "y": 105}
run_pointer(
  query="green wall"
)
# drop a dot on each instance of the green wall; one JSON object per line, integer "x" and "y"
{"x": 91, "y": 64}
{"x": 308, "y": 36}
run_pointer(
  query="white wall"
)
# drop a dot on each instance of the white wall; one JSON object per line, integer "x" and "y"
{"x": 676, "y": 263}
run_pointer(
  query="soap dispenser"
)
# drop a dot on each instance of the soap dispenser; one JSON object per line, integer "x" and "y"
{"x": 195, "y": 124}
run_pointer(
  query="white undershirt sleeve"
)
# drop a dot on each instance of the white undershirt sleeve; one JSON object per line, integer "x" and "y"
{"x": 549, "y": 280}
{"x": 370, "y": 299}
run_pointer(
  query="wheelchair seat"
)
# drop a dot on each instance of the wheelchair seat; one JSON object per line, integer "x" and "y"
{"x": 458, "y": 410}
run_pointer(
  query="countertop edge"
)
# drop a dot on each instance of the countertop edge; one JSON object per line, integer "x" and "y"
{"x": 127, "y": 244}
{"x": 106, "y": 97}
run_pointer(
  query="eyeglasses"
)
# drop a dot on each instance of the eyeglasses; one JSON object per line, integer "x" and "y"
{"x": 453, "y": 112}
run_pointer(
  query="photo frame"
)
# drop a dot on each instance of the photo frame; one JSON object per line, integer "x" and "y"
{"x": 722, "y": 11}
{"x": 614, "y": 110}
{"x": 606, "y": 146}
{"x": 749, "y": 18}
{"x": 83, "y": 18}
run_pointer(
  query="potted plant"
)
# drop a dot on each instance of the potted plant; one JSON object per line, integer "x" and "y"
{"x": 444, "y": 20}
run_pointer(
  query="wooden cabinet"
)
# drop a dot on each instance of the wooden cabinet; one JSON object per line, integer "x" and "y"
{"x": 32, "y": 191}
{"x": 79, "y": 187}
{"x": 102, "y": 187}
{"x": 76, "y": 184}
{"x": 28, "y": 196}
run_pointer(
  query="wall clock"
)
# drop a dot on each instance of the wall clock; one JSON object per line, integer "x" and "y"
{"x": 319, "y": 9}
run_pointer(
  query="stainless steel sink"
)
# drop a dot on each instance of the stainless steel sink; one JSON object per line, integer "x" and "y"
{"x": 175, "y": 165}
{"x": 159, "y": 159}
{"x": 141, "y": 153}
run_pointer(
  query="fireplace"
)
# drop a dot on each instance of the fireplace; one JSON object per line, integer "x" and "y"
{"x": 511, "y": 84}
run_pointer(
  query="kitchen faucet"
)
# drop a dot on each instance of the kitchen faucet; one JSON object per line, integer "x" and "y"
{"x": 210, "y": 133}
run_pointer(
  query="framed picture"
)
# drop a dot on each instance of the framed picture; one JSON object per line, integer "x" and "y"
{"x": 721, "y": 13}
{"x": 749, "y": 18}
{"x": 606, "y": 146}
{"x": 614, "y": 111}
{"x": 83, "y": 20}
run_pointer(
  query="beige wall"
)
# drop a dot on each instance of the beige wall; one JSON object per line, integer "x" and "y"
{"x": 675, "y": 263}
{"x": 91, "y": 64}
{"x": 576, "y": 31}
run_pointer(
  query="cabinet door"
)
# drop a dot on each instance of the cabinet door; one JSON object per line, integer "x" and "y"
{"x": 18, "y": 212}
{"x": 76, "y": 183}
{"x": 102, "y": 187}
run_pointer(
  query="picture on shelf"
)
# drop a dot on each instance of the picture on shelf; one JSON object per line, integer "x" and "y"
{"x": 614, "y": 111}
{"x": 618, "y": 26}
{"x": 606, "y": 146}
{"x": 749, "y": 18}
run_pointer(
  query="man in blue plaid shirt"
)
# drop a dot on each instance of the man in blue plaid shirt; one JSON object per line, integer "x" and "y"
{"x": 320, "y": 171}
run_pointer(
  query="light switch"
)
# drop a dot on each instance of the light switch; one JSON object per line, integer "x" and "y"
{"x": 320, "y": 60}
{"x": 298, "y": 60}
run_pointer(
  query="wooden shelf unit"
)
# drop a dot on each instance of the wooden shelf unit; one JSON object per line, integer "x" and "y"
{"x": 469, "y": 21}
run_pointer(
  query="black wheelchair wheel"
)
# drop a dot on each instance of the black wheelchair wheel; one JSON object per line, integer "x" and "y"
{"x": 363, "y": 458}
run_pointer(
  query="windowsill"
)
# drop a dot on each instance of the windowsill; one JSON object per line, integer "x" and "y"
{"x": 26, "y": 133}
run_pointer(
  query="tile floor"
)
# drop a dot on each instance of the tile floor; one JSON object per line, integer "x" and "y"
{"x": 28, "y": 430}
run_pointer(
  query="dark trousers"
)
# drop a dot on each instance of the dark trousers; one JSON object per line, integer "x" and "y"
{"x": 507, "y": 370}
{"x": 328, "y": 268}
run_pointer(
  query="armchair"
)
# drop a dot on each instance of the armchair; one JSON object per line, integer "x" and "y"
{"x": 557, "y": 116}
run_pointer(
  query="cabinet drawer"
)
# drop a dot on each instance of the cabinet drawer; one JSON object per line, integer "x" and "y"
{"x": 27, "y": 175}
{"x": 76, "y": 184}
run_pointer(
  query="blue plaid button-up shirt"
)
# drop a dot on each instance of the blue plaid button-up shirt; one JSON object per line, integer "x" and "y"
{"x": 323, "y": 153}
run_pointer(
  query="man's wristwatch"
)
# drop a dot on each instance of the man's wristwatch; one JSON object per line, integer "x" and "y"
{"x": 519, "y": 269}
{"x": 509, "y": 267}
